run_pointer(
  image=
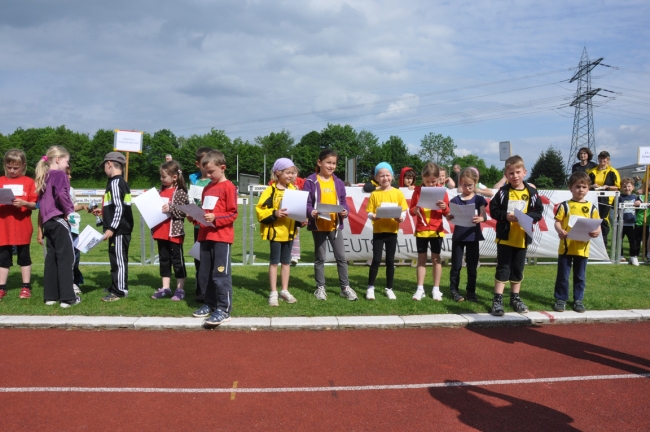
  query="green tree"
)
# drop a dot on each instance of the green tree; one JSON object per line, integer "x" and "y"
{"x": 395, "y": 152}
{"x": 489, "y": 175}
{"x": 275, "y": 145}
{"x": 370, "y": 153}
{"x": 305, "y": 153}
{"x": 438, "y": 149}
{"x": 343, "y": 139}
{"x": 551, "y": 165}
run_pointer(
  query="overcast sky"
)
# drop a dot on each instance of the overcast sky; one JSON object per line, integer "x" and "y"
{"x": 479, "y": 71}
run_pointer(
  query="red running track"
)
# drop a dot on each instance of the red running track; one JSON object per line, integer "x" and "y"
{"x": 272, "y": 359}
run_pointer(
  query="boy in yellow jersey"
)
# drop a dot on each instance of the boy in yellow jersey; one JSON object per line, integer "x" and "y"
{"x": 573, "y": 252}
{"x": 512, "y": 241}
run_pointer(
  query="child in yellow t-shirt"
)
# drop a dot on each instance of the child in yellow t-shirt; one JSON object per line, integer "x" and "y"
{"x": 384, "y": 230}
{"x": 573, "y": 252}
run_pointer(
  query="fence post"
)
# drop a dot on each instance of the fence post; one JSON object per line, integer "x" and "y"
{"x": 243, "y": 241}
{"x": 143, "y": 249}
{"x": 251, "y": 225}
{"x": 615, "y": 246}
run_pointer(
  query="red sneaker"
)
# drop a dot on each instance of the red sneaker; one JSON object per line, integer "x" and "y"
{"x": 25, "y": 293}
{"x": 2, "y": 293}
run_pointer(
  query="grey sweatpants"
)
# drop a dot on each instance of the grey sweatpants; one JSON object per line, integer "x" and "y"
{"x": 320, "y": 244}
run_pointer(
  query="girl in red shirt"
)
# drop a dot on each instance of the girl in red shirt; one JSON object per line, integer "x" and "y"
{"x": 16, "y": 221}
{"x": 171, "y": 234}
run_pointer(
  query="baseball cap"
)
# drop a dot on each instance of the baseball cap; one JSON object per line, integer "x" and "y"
{"x": 115, "y": 157}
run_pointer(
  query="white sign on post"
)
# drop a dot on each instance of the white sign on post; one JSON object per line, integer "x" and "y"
{"x": 128, "y": 141}
{"x": 505, "y": 150}
{"x": 643, "y": 157}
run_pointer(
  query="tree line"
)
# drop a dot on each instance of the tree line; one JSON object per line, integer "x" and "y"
{"x": 87, "y": 152}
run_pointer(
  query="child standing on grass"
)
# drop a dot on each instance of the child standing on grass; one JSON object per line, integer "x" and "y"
{"x": 384, "y": 230}
{"x": 117, "y": 217}
{"x": 512, "y": 241}
{"x": 429, "y": 232}
{"x": 466, "y": 239}
{"x": 200, "y": 180}
{"x": 629, "y": 221}
{"x": 170, "y": 234}
{"x": 279, "y": 229}
{"x": 219, "y": 202}
{"x": 55, "y": 207}
{"x": 325, "y": 187}
{"x": 75, "y": 224}
{"x": 573, "y": 252}
{"x": 16, "y": 221}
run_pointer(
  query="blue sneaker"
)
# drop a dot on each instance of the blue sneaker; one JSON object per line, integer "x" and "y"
{"x": 218, "y": 317}
{"x": 203, "y": 311}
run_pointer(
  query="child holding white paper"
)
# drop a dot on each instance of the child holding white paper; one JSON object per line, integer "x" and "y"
{"x": 466, "y": 239}
{"x": 429, "y": 232}
{"x": 325, "y": 187}
{"x": 16, "y": 222}
{"x": 277, "y": 228}
{"x": 384, "y": 230}
{"x": 573, "y": 252}
{"x": 170, "y": 234}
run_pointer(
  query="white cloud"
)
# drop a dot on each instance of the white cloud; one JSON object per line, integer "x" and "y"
{"x": 407, "y": 105}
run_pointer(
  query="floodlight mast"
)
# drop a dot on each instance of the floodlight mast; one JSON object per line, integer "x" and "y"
{"x": 583, "y": 120}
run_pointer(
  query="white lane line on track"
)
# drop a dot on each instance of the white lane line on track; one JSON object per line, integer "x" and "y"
{"x": 314, "y": 389}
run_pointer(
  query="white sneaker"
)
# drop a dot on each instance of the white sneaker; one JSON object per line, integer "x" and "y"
{"x": 349, "y": 294}
{"x": 390, "y": 294}
{"x": 320, "y": 293}
{"x": 286, "y": 296}
{"x": 294, "y": 261}
{"x": 437, "y": 295}
{"x": 370, "y": 294}
{"x": 50, "y": 303}
{"x": 76, "y": 301}
{"x": 634, "y": 261}
{"x": 273, "y": 299}
{"x": 77, "y": 290}
{"x": 419, "y": 294}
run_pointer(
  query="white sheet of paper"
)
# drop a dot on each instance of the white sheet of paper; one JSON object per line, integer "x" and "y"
{"x": 526, "y": 222}
{"x": 295, "y": 202}
{"x": 195, "y": 212}
{"x": 195, "y": 252}
{"x": 582, "y": 227}
{"x": 429, "y": 196}
{"x": 88, "y": 239}
{"x": 209, "y": 202}
{"x": 463, "y": 214}
{"x": 6, "y": 196}
{"x": 329, "y": 208}
{"x": 195, "y": 192}
{"x": 389, "y": 211}
{"x": 16, "y": 189}
{"x": 150, "y": 206}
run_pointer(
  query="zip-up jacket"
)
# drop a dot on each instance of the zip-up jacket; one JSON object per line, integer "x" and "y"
{"x": 116, "y": 206}
{"x": 499, "y": 210}
{"x": 271, "y": 227}
{"x": 313, "y": 187}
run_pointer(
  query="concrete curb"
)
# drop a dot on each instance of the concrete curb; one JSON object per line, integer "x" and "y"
{"x": 326, "y": 323}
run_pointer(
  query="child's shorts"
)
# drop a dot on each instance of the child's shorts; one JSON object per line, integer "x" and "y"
{"x": 23, "y": 256}
{"x": 422, "y": 244}
{"x": 281, "y": 252}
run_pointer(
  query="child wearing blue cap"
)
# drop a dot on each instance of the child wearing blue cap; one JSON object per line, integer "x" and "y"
{"x": 384, "y": 230}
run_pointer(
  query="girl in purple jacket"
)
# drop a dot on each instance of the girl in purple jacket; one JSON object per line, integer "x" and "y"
{"x": 326, "y": 189}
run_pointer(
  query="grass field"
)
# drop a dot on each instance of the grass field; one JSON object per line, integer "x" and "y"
{"x": 608, "y": 287}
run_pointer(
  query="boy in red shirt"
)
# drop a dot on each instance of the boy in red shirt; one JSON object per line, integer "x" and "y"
{"x": 219, "y": 202}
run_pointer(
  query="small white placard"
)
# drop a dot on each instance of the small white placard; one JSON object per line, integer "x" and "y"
{"x": 643, "y": 157}
{"x": 505, "y": 150}
{"x": 209, "y": 202}
{"x": 128, "y": 141}
{"x": 88, "y": 239}
{"x": 195, "y": 192}
{"x": 16, "y": 189}
{"x": 516, "y": 205}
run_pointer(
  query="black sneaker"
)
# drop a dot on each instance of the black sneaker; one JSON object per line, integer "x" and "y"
{"x": 472, "y": 297}
{"x": 497, "y": 305}
{"x": 517, "y": 304}
{"x": 579, "y": 307}
{"x": 203, "y": 311}
{"x": 559, "y": 306}
{"x": 457, "y": 297}
{"x": 218, "y": 317}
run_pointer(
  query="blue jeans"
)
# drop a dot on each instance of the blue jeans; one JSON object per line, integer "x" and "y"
{"x": 564, "y": 263}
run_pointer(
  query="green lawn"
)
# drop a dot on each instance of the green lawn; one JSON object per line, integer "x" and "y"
{"x": 608, "y": 287}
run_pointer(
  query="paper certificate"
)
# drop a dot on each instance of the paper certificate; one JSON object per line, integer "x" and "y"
{"x": 150, "y": 206}
{"x": 389, "y": 211}
{"x": 582, "y": 227}
{"x": 295, "y": 202}
{"x": 16, "y": 189}
{"x": 463, "y": 214}
{"x": 526, "y": 222}
{"x": 88, "y": 239}
{"x": 329, "y": 208}
{"x": 195, "y": 192}
{"x": 429, "y": 197}
{"x": 6, "y": 196}
{"x": 195, "y": 212}
{"x": 195, "y": 252}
